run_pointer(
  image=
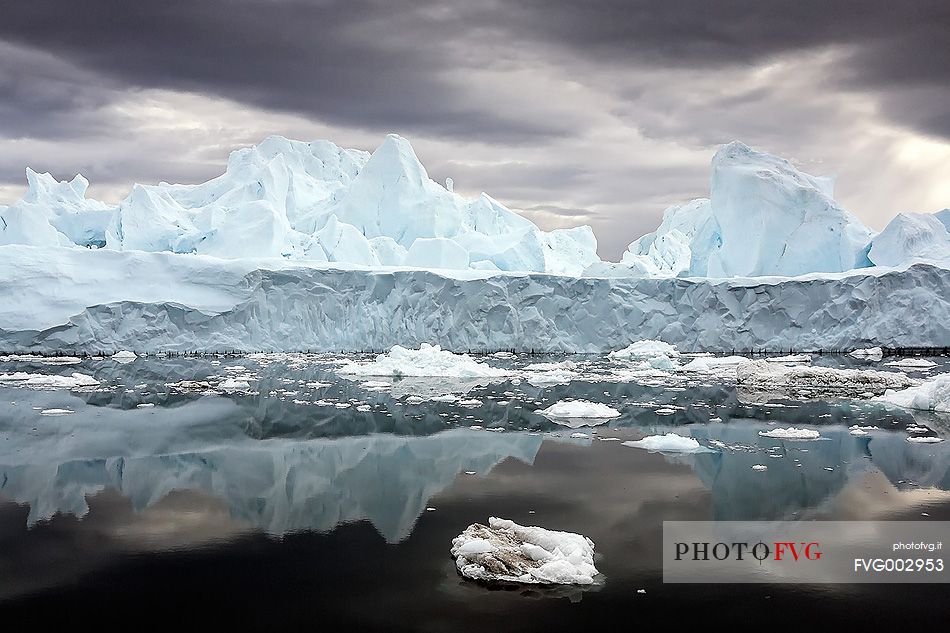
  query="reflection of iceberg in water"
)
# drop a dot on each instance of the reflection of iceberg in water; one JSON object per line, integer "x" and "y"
{"x": 278, "y": 485}
{"x": 826, "y": 466}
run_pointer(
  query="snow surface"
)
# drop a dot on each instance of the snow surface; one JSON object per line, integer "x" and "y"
{"x": 72, "y": 300}
{"x": 933, "y": 395}
{"x": 504, "y": 551}
{"x": 669, "y": 443}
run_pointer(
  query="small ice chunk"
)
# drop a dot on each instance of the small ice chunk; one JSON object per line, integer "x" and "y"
{"x": 924, "y": 440}
{"x": 145, "y": 405}
{"x": 507, "y": 552}
{"x": 669, "y": 443}
{"x": 912, "y": 363}
{"x": 579, "y": 409}
{"x": 791, "y": 433}
{"x": 427, "y": 361}
{"x": 760, "y": 467}
{"x": 871, "y": 353}
{"x": 234, "y": 384}
{"x": 55, "y": 412}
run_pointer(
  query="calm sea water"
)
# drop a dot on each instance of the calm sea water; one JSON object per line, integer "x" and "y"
{"x": 316, "y": 500}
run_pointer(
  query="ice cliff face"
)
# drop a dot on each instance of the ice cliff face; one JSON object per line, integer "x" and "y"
{"x": 159, "y": 301}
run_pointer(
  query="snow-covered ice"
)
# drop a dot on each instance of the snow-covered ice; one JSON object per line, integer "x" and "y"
{"x": 669, "y": 443}
{"x": 504, "y": 551}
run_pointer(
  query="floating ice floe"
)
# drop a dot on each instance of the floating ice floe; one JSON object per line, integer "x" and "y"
{"x": 933, "y": 395}
{"x": 427, "y": 361}
{"x": 790, "y": 359}
{"x": 925, "y": 440}
{"x": 791, "y": 433}
{"x": 40, "y": 360}
{"x": 715, "y": 364}
{"x": 504, "y": 551}
{"x": 550, "y": 377}
{"x": 912, "y": 363}
{"x": 234, "y": 384}
{"x": 577, "y": 413}
{"x": 641, "y": 350}
{"x": 669, "y": 443}
{"x": 44, "y": 381}
{"x": 124, "y": 356}
{"x": 56, "y": 412}
{"x": 770, "y": 377}
{"x": 872, "y": 353}
{"x": 760, "y": 467}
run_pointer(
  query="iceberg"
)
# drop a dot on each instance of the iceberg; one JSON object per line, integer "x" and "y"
{"x": 308, "y": 202}
{"x": 932, "y": 395}
{"x": 504, "y": 551}
{"x": 912, "y": 236}
{"x": 763, "y": 217}
{"x": 309, "y": 246}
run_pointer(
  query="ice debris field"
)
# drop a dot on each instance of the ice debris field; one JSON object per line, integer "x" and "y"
{"x": 307, "y": 246}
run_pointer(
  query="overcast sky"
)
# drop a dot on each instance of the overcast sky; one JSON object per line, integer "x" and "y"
{"x": 584, "y": 112}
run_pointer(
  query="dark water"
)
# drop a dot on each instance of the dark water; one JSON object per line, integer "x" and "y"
{"x": 264, "y": 509}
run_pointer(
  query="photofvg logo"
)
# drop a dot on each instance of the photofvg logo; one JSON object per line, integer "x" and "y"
{"x": 804, "y": 552}
{"x": 777, "y": 550}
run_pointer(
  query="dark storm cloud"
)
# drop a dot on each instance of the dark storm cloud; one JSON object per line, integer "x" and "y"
{"x": 358, "y": 63}
{"x": 401, "y": 65}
